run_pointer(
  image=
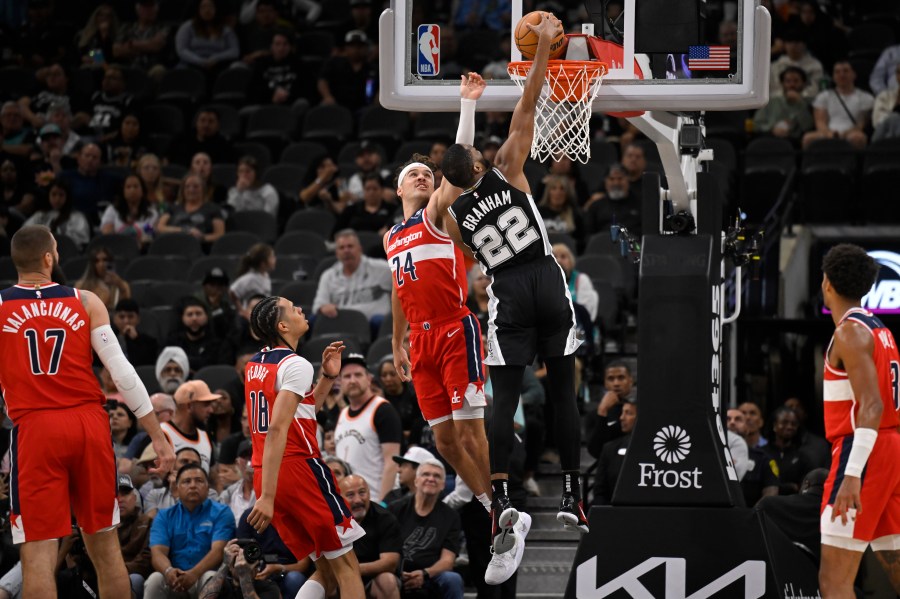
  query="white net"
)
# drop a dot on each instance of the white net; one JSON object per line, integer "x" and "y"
{"x": 563, "y": 111}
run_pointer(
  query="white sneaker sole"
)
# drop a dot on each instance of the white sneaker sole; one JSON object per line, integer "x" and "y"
{"x": 570, "y": 522}
{"x": 499, "y": 576}
{"x": 505, "y": 538}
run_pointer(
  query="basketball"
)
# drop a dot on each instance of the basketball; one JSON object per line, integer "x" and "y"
{"x": 527, "y": 40}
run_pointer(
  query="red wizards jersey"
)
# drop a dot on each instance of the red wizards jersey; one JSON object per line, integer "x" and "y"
{"x": 429, "y": 270}
{"x": 45, "y": 344}
{"x": 840, "y": 404}
{"x": 268, "y": 372}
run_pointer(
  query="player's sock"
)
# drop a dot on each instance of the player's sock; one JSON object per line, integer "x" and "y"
{"x": 483, "y": 498}
{"x": 572, "y": 483}
{"x": 500, "y": 486}
{"x": 311, "y": 590}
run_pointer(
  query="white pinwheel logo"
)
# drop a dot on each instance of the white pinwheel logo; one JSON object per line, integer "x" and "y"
{"x": 672, "y": 444}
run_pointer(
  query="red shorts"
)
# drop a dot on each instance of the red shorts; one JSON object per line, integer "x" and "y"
{"x": 62, "y": 463}
{"x": 310, "y": 516}
{"x": 447, "y": 365}
{"x": 880, "y": 490}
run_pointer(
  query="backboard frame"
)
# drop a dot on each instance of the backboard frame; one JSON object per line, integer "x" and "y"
{"x": 620, "y": 92}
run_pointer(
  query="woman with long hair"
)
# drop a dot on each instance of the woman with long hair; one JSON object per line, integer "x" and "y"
{"x": 249, "y": 192}
{"x": 580, "y": 287}
{"x": 101, "y": 279}
{"x": 253, "y": 275}
{"x": 127, "y": 144}
{"x": 95, "y": 41}
{"x": 206, "y": 42}
{"x": 123, "y": 425}
{"x": 56, "y": 212}
{"x": 193, "y": 214}
{"x": 149, "y": 169}
{"x": 559, "y": 208}
{"x": 201, "y": 165}
{"x": 131, "y": 213}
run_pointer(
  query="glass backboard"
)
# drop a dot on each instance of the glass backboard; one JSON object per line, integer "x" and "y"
{"x": 676, "y": 55}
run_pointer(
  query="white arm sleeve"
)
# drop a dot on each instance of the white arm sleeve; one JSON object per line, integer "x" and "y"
{"x": 465, "y": 134}
{"x": 294, "y": 374}
{"x": 104, "y": 342}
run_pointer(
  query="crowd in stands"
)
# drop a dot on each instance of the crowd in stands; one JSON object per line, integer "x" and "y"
{"x": 192, "y": 158}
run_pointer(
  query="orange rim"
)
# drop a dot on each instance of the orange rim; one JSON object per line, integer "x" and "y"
{"x": 595, "y": 68}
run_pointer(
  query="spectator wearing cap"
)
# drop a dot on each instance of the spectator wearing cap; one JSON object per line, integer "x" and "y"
{"x": 187, "y": 539}
{"x": 350, "y": 78}
{"x": 354, "y": 282}
{"x": 193, "y": 401}
{"x": 796, "y": 55}
{"x": 379, "y": 551}
{"x": 363, "y": 18}
{"x": 172, "y": 368}
{"x": 143, "y": 43}
{"x": 134, "y": 535}
{"x": 140, "y": 349}
{"x": 51, "y": 161}
{"x": 368, "y": 162}
{"x": 215, "y": 294}
{"x": 240, "y": 496}
{"x": 60, "y": 114}
{"x": 617, "y": 203}
{"x": 194, "y": 334}
{"x": 406, "y": 472}
{"x": 368, "y": 431}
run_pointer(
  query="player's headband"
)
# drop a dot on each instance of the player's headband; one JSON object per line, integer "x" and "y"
{"x": 411, "y": 166}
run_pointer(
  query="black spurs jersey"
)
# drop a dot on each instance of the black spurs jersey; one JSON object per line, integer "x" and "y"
{"x": 500, "y": 224}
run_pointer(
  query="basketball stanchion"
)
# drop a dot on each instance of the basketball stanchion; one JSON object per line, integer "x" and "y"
{"x": 563, "y": 110}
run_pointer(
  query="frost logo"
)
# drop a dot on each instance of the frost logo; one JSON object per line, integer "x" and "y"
{"x": 672, "y": 444}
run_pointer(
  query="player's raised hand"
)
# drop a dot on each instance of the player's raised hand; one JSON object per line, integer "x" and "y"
{"x": 472, "y": 86}
{"x": 402, "y": 365}
{"x": 549, "y": 27}
{"x": 847, "y": 499}
{"x": 261, "y": 515}
{"x": 331, "y": 358}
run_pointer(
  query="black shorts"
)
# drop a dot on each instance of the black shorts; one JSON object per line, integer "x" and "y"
{"x": 530, "y": 314}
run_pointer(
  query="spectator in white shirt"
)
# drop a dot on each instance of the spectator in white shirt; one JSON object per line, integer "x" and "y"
{"x": 842, "y": 112}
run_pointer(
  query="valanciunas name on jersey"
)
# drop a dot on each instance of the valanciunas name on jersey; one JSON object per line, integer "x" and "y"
{"x": 480, "y": 210}
{"x": 42, "y": 308}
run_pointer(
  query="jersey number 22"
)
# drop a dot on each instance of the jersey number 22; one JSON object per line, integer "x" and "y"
{"x": 517, "y": 234}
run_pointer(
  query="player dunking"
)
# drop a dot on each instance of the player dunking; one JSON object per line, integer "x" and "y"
{"x": 297, "y": 492}
{"x": 861, "y": 500}
{"x": 530, "y": 309}
{"x": 429, "y": 294}
{"x": 62, "y": 460}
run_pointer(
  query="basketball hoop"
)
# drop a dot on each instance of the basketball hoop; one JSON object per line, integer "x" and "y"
{"x": 563, "y": 110}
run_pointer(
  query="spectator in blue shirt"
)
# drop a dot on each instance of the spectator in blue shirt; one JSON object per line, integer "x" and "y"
{"x": 187, "y": 540}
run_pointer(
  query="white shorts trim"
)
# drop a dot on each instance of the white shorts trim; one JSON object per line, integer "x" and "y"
{"x": 886, "y": 543}
{"x": 432, "y": 422}
{"x": 332, "y": 554}
{"x": 846, "y": 543}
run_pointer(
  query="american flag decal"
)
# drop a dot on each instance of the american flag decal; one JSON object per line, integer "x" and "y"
{"x": 709, "y": 58}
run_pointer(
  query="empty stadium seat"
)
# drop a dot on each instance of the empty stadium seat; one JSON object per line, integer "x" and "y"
{"x": 176, "y": 244}
{"x": 312, "y": 219}
{"x": 258, "y": 222}
{"x": 234, "y": 244}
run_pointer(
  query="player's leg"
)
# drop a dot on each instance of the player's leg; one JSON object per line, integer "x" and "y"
{"x": 561, "y": 382}
{"x": 450, "y": 444}
{"x": 473, "y": 438}
{"x": 39, "y": 568}
{"x": 320, "y": 585}
{"x": 106, "y": 555}
{"x": 890, "y": 562}
{"x": 838, "y": 567}
{"x": 345, "y": 568}
{"x": 507, "y": 384}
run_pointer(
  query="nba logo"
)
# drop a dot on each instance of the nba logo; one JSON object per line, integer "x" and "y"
{"x": 428, "y": 63}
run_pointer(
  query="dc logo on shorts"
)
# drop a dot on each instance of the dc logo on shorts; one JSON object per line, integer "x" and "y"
{"x": 456, "y": 398}
{"x": 428, "y": 63}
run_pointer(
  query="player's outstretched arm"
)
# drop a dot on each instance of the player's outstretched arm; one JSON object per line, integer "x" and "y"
{"x": 853, "y": 346}
{"x": 331, "y": 367}
{"x": 512, "y": 154}
{"x": 276, "y": 438}
{"x": 128, "y": 383}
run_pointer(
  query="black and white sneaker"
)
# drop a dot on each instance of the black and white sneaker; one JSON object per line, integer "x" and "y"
{"x": 504, "y": 517}
{"x": 571, "y": 513}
